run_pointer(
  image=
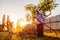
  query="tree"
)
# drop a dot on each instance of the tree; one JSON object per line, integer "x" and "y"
{"x": 28, "y": 17}
{"x": 47, "y": 5}
{"x": 44, "y": 6}
{"x": 31, "y": 8}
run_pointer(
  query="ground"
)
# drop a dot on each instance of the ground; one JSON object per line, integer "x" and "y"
{"x": 7, "y": 36}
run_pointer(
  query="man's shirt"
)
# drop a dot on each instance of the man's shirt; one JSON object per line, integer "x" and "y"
{"x": 40, "y": 17}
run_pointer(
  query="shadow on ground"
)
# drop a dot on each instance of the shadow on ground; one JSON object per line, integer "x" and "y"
{"x": 6, "y": 36}
{"x": 38, "y": 38}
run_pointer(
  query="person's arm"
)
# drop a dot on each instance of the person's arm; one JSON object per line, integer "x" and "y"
{"x": 43, "y": 18}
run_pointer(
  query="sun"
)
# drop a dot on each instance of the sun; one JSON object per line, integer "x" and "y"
{"x": 23, "y": 23}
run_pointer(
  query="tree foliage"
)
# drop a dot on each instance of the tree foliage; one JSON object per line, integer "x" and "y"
{"x": 47, "y": 5}
{"x": 44, "y": 6}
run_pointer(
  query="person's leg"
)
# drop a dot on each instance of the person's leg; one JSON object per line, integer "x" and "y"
{"x": 40, "y": 30}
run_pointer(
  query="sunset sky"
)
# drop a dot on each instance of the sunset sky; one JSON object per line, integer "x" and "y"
{"x": 15, "y": 8}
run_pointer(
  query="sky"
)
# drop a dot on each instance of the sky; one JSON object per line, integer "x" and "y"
{"x": 16, "y": 10}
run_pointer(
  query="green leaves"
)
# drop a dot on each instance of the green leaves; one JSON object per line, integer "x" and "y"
{"x": 45, "y": 5}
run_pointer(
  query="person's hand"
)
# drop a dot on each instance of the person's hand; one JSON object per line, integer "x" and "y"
{"x": 43, "y": 22}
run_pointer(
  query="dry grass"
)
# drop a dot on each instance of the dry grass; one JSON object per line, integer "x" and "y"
{"x": 6, "y": 36}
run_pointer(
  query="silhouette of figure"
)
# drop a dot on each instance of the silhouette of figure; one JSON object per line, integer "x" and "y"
{"x": 40, "y": 20}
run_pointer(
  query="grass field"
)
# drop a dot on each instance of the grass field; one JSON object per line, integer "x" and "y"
{"x": 48, "y": 36}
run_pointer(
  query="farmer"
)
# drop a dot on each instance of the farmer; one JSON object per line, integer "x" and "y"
{"x": 40, "y": 20}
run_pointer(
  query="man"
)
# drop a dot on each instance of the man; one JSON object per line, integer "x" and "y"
{"x": 40, "y": 20}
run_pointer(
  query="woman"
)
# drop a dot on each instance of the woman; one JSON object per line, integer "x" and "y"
{"x": 40, "y": 20}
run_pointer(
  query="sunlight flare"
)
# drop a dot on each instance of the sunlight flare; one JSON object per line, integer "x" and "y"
{"x": 23, "y": 23}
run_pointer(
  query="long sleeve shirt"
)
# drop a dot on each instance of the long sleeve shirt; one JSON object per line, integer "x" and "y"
{"x": 40, "y": 17}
